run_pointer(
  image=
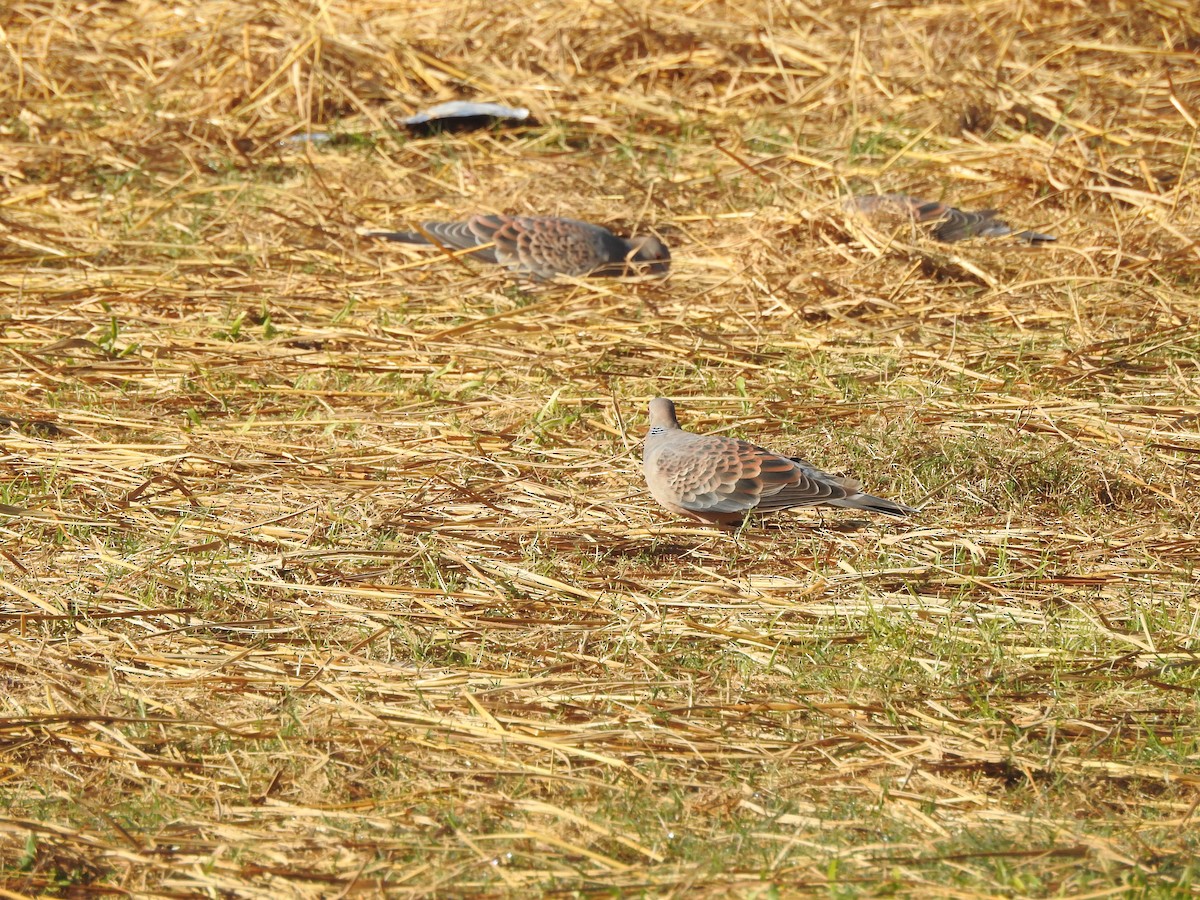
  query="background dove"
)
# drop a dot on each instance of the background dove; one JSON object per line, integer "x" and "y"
{"x": 721, "y": 480}
{"x": 949, "y": 223}
{"x": 464, "y": 115}
{"x": 543, "y": 246}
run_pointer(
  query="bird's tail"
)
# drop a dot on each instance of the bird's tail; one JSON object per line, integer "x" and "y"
{"x": 401, "y": 237}
{"x": 875, "y": 504}
{"x": 1034, "y": 237}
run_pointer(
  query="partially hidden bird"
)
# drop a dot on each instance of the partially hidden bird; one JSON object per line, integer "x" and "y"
{"x": 542, "y": 246}
{"x": 721, "y": 480}
{"x": 948, "y": 223}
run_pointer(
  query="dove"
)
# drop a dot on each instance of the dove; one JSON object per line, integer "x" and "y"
{"x": 721, "y": 480}
{"x": 949, "y": 223}
{"x": 542, "y": 246}
{"x": 463, "y": 115}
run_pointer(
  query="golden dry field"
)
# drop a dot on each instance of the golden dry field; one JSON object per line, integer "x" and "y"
{"x": 327, "y": 565}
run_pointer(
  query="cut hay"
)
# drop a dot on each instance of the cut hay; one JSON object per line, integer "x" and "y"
{"x": 327, "y": 566}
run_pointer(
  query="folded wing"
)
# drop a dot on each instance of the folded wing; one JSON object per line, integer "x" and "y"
{"x": 738, "y": 477}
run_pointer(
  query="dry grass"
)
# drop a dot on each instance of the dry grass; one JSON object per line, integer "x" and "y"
{"x": 327, "y": 567}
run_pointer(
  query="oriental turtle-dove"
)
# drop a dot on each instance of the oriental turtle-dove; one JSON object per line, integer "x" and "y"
{"x": 721, "y": 480}
{"x": 948, "y": 223}
{"x": 542, "y": 246}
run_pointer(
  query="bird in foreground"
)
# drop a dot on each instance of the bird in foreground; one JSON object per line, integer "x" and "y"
{"x": 542, "y": 246}
{"x": 949, "y": 223}
{"x": 722, "y": 480}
